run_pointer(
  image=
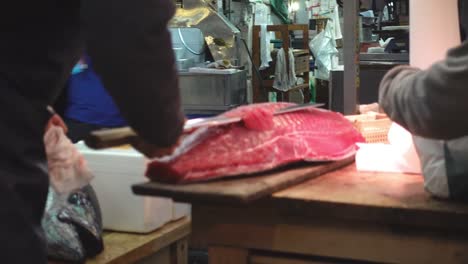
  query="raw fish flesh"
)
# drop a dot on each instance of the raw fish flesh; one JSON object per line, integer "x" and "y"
{"x": 261, "y": 142}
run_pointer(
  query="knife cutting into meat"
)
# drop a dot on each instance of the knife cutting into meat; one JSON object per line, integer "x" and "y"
{"x": 107, "y": 138}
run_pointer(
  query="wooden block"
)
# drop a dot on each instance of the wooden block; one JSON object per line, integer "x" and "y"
{"x": 228, "y": 255}
{"x": 301, "y": 64}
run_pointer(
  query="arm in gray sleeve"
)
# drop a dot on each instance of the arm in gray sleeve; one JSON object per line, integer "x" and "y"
{"x": 131, "y": 50}
{"x": 432, "y": 103}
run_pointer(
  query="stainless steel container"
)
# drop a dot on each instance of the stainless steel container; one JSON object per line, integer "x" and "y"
{"x": 212, "y": 93}
{"x": 184, "y": 64}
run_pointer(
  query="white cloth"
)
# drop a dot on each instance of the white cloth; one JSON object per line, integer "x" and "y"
{"x": 337, "y": 24}
{"x": 292, "y": 69}
{"x": 281, "y": 76}
{"x": 265, "y": 50}
{"x": 284, "y": 79}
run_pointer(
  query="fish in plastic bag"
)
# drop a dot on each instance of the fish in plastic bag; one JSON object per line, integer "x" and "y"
{"x": 72, "y": 220}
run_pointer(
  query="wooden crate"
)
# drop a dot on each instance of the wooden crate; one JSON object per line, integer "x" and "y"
{"x": 301, "y": 63}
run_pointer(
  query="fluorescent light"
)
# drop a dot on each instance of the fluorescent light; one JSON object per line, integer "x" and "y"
{"x": 294, "y": 6}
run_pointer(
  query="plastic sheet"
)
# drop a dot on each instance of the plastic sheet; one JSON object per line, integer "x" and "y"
{"x": 67, "y": 168}
{"x": 323, "y": 47}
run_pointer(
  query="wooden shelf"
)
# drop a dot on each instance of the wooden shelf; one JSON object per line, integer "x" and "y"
{"x": 282, "y": 32}
{"x": 130, "y": 247}
{"x": 294, "y": 88}
{"x": 298, "y": 52}
{"x": 300, "y": 87}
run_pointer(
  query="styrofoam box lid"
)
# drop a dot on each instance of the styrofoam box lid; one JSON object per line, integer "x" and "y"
{"x": 120, "y": 161}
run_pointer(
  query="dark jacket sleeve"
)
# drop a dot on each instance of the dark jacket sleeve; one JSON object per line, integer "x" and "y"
{"x": 430, "y": 103}
{"x": 131, "y": 50}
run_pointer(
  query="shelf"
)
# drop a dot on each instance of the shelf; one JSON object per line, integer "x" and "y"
{"x": 295, "y": 88}
{"x": 302, "y": 63}
{"x": 289, "y": 27}
{"x": 299, "y": 52}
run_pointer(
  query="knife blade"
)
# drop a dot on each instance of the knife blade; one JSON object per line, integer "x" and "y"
{"x": 107, "y": 138}
{"x": 222, "y": 120}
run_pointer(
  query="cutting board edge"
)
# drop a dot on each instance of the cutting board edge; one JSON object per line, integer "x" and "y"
{"x": 142, "y": 189}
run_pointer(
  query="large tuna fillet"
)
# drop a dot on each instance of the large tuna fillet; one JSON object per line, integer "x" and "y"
{"x": 261, "y": 142}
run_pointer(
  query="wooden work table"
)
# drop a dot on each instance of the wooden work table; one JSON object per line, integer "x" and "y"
{"x": 340, "y": 216}
{"x": 166, "y": 245}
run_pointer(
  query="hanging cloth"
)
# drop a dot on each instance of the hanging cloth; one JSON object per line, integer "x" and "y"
{"x": 265, "y": 51}
{"x": 284, "y": 78}
{"x": 292, "y": 69}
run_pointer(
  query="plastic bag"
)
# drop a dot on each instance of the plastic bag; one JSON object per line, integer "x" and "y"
{"x": 72, "y": 221}
{"x": 323, "y": 46}
{"x": 67, "y": 168}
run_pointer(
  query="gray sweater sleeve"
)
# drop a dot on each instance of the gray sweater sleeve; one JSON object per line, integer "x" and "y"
{"x": 431, "y": 103}
{"x": 131, "y": 50}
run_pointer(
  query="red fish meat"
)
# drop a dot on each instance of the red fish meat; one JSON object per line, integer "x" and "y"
{"x": 261, "y": 142}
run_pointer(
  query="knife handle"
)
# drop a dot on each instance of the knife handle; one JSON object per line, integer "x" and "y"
{"x": 107, "y": 138}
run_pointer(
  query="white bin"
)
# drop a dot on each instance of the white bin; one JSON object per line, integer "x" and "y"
{"x": 115, "y": 171}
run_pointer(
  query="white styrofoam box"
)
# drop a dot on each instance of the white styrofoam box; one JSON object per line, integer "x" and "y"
{"x": 115, "y": 170}
{"x": 180, "y": 210}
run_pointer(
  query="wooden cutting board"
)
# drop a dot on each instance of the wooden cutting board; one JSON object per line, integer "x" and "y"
{"x": 240, "y": 189}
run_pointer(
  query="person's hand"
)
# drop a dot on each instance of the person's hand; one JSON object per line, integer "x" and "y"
{"x": 152, "y": 151}
{"x": 56, "y": 120}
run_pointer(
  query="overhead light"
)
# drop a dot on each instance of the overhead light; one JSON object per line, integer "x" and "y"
{"x": 294, "y": 6}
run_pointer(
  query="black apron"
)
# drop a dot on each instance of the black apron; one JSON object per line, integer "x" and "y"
{"x": 23, "y": 177}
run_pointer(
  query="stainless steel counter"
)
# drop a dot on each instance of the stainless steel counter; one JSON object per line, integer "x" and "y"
{"x": 212, "y": 93}
{"x": 384, "y": 57}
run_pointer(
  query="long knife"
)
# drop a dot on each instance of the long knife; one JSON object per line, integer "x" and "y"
{"x": 107, "y": 138}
